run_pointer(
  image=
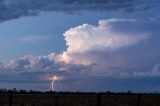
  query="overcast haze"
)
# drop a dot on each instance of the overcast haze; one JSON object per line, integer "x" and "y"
{"x": 91, "y": 45}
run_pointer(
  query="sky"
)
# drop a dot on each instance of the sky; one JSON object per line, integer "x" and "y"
{"x": 90, "y": 45}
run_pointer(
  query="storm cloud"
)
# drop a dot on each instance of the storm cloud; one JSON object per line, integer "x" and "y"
{"x": 13, "y": 9}
{"x": 85, "y": 41}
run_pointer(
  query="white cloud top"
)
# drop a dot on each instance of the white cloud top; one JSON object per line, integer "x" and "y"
{"x": 108, "y": 36}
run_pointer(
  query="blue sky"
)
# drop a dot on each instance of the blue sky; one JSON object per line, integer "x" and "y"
{"x": 89, "y": 45}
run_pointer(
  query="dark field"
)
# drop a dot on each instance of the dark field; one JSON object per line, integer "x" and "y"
{"x": 78, "y": 99}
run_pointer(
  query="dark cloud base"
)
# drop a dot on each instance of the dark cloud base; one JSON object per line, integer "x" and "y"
{"x": 13, "y": 9}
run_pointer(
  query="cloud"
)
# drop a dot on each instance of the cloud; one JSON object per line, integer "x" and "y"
{"x": 36, "y": 70}
{"x": 34, "y": 39}
{"x": 110, "y": 35}
{"x": 13, "y": 9}
{"x": 155, "y": 71}
{"x": 104, "y": 36}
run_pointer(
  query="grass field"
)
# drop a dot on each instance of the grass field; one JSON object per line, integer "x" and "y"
{"x": 79, "y": 99}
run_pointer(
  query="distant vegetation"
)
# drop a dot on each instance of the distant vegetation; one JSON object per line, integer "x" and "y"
{"x": 16, "y": 91}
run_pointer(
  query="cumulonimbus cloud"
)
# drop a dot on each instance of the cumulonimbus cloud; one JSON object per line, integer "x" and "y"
{"x": 12, "y": 9}
{"x": 110, "y": 35}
